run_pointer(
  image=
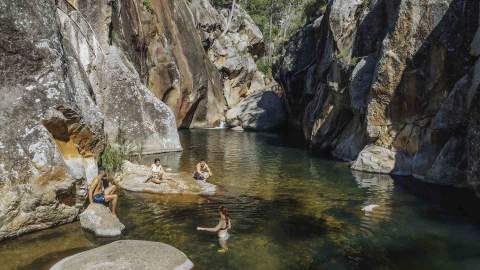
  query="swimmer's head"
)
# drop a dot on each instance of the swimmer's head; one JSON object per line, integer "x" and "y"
{"x": 222, "y": 210}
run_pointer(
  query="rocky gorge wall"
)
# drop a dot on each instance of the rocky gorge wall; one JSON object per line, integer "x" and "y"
{"x": 392, "y": 86}
{"x": 67, "y": 90}
{"x": 81, "y": 74}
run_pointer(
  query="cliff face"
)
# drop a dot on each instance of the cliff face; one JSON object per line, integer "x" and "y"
{"x": 65, "y": 89}
{"x": 389, "y": 85}
{"x": 250, "y": 96}
{"x": 167, "y": 52}
{"x": 78, "y": 74}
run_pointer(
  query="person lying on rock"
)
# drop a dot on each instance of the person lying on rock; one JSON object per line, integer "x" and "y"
{"x": 157, "y": 173}
{"x": 224, "y": 224}
{"x": 202, "y": 171}
{"x": 101, "y": 191}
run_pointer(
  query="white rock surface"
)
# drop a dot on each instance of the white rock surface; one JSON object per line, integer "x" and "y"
{"x": 127, "y": 255}
{"x": 98, "y": 219}
{"x": 134, "y": 176}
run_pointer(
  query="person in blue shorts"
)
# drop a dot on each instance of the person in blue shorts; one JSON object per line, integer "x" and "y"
{"x": 101, "y": 191}
{"x": 202, "y": 171}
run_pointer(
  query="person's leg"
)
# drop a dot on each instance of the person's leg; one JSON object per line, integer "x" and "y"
{"x": 156, "y": 180}
{"x": 223, "y": 245}
{"x": 114, "y": 199}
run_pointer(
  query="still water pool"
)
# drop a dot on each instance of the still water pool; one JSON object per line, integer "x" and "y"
{"x": 289, "y": 210}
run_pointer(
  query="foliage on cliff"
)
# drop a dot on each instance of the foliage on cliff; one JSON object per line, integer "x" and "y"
{"x": 278, "y": 19}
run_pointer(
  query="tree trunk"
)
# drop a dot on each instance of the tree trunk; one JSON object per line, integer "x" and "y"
{"x": 230, "y": 17}
{"x": 270, "y": 40}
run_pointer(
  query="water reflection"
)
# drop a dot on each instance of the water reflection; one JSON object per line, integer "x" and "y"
{"x": 377, "y": 206}
{"x": 289, "y": 210}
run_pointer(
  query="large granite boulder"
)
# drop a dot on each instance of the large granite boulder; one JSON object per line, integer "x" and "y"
{"x": 131, "y": 113}
{"x": 389, "y": 85}
{"x": 98, "y": 219}
{"x": 133, "y": 178}
{"x": 128, "y": 255}
{"x": 261, "y": 111}
{"x": 65, "y": 84}
{"x": 51, "y": 131}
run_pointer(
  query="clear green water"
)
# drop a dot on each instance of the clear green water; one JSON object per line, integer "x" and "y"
{"x": 289, "y": 209}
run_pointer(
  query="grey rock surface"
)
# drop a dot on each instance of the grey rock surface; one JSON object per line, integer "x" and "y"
{"x": 389, "y": 85}
{"x": 98, "y": 219}
{"x": 133, "y": 178}
{"x": 128, "y": 255}
{"x": 261, "y": 111}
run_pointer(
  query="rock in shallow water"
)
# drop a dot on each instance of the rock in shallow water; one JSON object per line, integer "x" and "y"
{"x": 98, "y": 219}
{"x": 128, "y": 255}
{"x": 134, "y": 176}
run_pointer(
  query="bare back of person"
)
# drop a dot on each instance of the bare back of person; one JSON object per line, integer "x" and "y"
{"x": 97, "y": 193}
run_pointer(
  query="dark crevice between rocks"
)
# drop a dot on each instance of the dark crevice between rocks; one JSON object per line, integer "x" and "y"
{"x": 187, "y": 120}
{"x": 406, "y": 107}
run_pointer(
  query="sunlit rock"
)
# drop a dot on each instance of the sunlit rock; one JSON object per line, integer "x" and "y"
{"x": 133, "y": 178}
{"x": 128, "y": 255}
{"x": 98, "y": 219}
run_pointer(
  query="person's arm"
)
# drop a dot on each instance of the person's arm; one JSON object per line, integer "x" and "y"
{"x": 91, "y": 188}
{"x": 209, "y": 171}
{"x": 214, "y": 229}
{"x": 199, "y": 170}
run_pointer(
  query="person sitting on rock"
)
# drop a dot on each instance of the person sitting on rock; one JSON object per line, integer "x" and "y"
{"x": 202, "y": 171}
{"x": 157, "y": 173}
{"x": 101, "y": 191}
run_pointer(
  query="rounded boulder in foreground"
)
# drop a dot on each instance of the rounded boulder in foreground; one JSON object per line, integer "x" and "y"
{"x": 127, "y": 255}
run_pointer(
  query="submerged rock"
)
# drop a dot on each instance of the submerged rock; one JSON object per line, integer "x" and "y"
{"x": 128, "y": 255}
{"x": 133, "y": 179}
{"x": 98, "y": 219}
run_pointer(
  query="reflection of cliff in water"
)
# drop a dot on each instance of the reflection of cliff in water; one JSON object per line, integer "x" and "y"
{"x": 378, "y": 203}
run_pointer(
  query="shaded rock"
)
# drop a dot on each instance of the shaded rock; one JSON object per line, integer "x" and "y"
{"x": 388, "y": 84}
{"x": 128, "y": 255}
{"x": 133, "y": 179}
{"x": 98, "y": 219}
{"x": 260, "y": 111}
{"x": 450, "y": 165}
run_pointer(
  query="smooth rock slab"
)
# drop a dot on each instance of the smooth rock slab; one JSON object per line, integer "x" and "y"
{"x": 127, "y": 255}
{"x": 262, "y": 111}
{"x": 134, "y": 176}
{"x": 98, "y": 219}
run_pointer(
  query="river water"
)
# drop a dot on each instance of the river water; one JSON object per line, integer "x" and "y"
{"x": 289, "y": 210}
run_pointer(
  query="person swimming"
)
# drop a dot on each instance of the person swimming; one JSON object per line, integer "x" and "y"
{"x": 202, "y": 171}
{"x": 157, "y": 173}
{"x": 101, "y": 191}
{"x": 224, "y": 224}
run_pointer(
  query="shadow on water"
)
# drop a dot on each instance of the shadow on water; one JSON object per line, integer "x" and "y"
{"x": 289, "y": 210}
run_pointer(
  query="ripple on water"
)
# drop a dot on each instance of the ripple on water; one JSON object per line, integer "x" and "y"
{"x": 289, "y": 210}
